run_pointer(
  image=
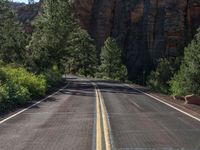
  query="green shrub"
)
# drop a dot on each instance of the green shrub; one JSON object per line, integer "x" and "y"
{"x": 53, "y": 77}
{"x": 187, "y": 80}
{"x": 4, "y": 96}
{"x": 12, "y": 95}
{"x": 18, "y": 86}
{"x": 178, "y": 85}
{"x": 36, "y": 85}
{"x": 159, "y": 79}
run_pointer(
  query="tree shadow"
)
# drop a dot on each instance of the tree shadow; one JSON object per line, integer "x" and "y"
{"x": 79, "y": 88}
{"x": 114, "y": 87}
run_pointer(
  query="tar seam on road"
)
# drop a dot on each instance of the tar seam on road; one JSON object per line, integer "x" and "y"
{"x": 162, "y": 101}
{"x": 101, "y": 113}
{"x": 18, "y": 113}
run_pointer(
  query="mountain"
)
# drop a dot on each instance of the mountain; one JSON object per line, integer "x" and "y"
{"x": 146, "y": 30}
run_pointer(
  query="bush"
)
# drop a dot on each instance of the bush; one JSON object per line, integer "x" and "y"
{"x": 36, "y": 85}
{"x": 178, "y": 85}
{"x": 53, "y": 77}
{"x": 14, "y": 93}
{"x": 159, "y": 79}
{"x": 18, "y": 86}
{"x": 187, "y": 80}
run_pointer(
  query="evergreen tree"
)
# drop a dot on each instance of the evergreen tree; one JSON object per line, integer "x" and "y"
{"x": 12, "y": 37}
{"x": 83, "y": 57}
{"x": 48, "y": 46}
{"x": 187, "y": 80}
{"x": 111, "y": 63}
{"x": 159, "y": 79}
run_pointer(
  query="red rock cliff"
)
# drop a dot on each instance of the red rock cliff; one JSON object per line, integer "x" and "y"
{"x": 146, "y": 30}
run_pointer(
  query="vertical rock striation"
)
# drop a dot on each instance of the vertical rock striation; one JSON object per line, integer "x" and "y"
{"x": 146, "y": 30}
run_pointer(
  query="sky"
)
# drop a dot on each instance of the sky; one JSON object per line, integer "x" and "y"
{"x": 23, "y": 1}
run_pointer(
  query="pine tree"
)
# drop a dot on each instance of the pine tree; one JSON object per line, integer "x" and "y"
{"x": 83, "y": 57}
{"x": 111, "y": 64}
{"x": 12, "y": 37}
{"x": 187, "y": 80}
{"x": 48, "y": 45}
{"x": 159, "y": 79}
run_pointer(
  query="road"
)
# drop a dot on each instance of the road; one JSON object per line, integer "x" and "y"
{"x": 99, "y": 115}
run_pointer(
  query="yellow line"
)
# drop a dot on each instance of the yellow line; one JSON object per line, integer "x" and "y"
{"x": 98, "y": 124}
{"x": 101, "y": 111}
{"x": 105, "y": 124}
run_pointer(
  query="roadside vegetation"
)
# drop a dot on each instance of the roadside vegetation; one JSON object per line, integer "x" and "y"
{"x": 111, "y": 66}
{"x": 31, "y": 64}
{"x": 179, "y": 76}
{"x": 159, "y": 79}
{"x": 18, "y": 85}
{"x": 82, "y": 58}
{"x": 187, "y": 79}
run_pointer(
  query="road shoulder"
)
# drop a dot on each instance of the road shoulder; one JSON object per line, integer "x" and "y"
{"x": 191, "y": 109}
{"x": 10, "y": 113}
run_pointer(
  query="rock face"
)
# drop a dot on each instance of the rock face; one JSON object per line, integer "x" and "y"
{"x": 26, "y": 14}
{"x": 146, "y": 30}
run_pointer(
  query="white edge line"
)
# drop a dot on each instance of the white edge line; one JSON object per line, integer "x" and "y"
{"x": 12, "y": 116}
{"x": 198, "y": 119}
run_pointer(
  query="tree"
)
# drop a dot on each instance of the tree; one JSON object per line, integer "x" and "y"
{"x": 159, "y": 79}
{"x": 48, "y": 46}
{"x": 12, "y": 37}
{"x": 82, "y": 52}
{"x": 187, "y": 80}
{"x": 111, "y": 64}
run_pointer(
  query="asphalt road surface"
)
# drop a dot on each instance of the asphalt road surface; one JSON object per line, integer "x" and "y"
{"x": 99, "y": 115}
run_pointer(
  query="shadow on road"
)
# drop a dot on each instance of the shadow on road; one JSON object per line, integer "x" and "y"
{"x": 85, "y": 88}
{"x": 114, "y": 87}
{"x": 79, "y": 88}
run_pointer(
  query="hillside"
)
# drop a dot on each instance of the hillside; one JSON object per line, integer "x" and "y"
{"x": 145, "y": 30}
{"x": 26, "y": 13}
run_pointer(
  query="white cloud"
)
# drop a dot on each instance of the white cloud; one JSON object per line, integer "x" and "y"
{"x": 23, "y": 1}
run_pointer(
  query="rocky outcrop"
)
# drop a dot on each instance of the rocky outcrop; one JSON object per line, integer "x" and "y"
{"x": 146, "y": 30}
{"x": 26, "y": 14}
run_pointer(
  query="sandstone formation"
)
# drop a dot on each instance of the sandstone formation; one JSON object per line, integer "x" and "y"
{"x": 146, "y": 30}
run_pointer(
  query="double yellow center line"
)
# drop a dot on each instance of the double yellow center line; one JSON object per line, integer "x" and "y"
{"x": 102, "y": 130}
